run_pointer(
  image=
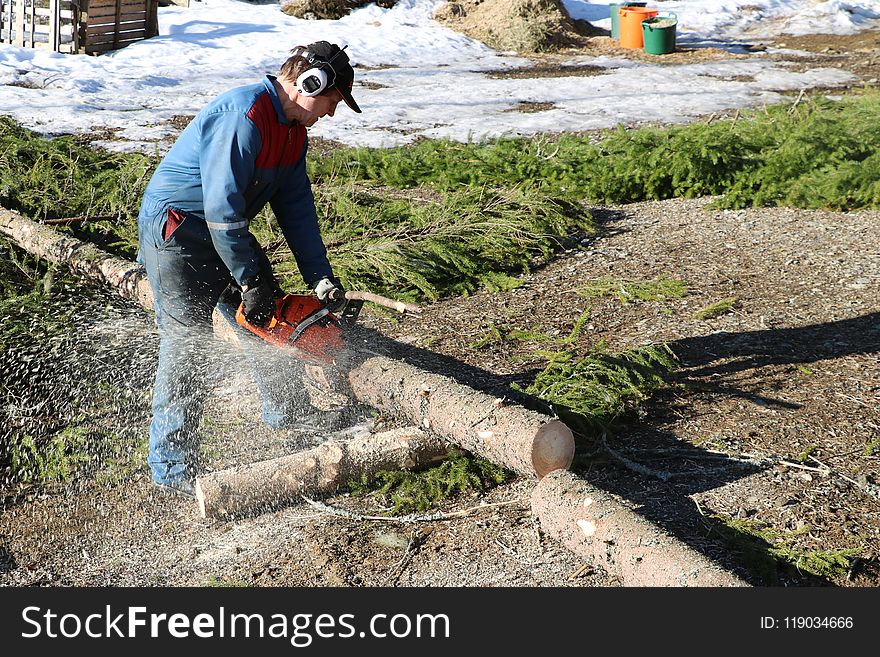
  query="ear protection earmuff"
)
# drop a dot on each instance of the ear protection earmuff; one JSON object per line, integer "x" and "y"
{"x": 312, "y": 82}
{"x": 319, "y": 77}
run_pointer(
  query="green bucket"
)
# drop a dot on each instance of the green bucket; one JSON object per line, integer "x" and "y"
{"x": 659, "y": 34}
{"x": 615, "y": 19}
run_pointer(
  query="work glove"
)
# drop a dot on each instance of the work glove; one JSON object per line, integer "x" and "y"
{"x": 258, "y": 298}
{"x": 331, "y": 293}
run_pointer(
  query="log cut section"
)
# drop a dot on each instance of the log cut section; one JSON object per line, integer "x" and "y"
{"x": 264, "y": 484}
{"x": 598, "y": 526}
{"x": 510, "y": 435}
{"x": 128, "y": 278}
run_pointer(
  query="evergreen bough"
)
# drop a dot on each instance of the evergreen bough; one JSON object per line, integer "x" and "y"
{"x": 60, "y": 177}
{"x": 409, "y": 491}
{"x": 818, "y": 153}
{"x": 592, "y": 391}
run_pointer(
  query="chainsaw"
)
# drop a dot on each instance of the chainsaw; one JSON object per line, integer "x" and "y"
{"x": 305, "y": 326}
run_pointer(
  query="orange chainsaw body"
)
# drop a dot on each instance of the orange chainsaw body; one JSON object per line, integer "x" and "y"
{"x": 303, "y": 325}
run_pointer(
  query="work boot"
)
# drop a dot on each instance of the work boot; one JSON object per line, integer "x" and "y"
{"x": 182, "y": 487}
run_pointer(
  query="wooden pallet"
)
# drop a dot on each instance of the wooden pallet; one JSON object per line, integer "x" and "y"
{"x": 112, "y": 24}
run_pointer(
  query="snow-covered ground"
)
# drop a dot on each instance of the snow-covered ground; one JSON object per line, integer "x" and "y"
{"x": 750, "y": 18}
{"x": 423, "y": 79}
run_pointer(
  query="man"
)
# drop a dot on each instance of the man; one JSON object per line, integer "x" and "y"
{"x": 244, "y": 149}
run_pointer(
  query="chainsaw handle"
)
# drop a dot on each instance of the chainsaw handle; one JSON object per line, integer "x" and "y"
{"x": 273, "y": 320}
{"x": 399, "y": 306}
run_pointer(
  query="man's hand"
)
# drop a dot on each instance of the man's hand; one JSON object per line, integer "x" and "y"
{"x": 259, "y": 301}
{"x": 331, "y": 293}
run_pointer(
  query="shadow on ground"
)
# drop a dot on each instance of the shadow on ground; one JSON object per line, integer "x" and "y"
{"x": 662, "y": 494}
{"x": 663, "y": 491}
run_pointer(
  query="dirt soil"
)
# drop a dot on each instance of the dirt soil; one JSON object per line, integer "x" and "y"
{"x": 775, "y": 420}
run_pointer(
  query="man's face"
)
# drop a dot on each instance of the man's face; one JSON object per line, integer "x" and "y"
{"x": 319, "y": 106}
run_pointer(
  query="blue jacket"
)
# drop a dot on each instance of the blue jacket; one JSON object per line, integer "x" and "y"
{"x": 239, "y": 153}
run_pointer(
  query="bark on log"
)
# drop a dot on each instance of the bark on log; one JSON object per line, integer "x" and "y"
{"x": 596, "y": 525}
{"x": 523, "y": 440}
{"x": 263, "y": 484}
{"x": 128, "y": 278}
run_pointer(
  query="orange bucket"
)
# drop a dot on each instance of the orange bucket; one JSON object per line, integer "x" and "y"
{"x": 631, "y": 35}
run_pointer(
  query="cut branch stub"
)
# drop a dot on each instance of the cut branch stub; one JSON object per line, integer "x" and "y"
{"x": 399, "y": 306}
{"x": 597, "y": 525}
{"x": 510, "y": 435}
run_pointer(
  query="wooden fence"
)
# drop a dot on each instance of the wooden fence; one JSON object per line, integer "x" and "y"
{"x": 39, "y": 24}
{"x": 77, "y": 26}
{"x": 113, "y": 24}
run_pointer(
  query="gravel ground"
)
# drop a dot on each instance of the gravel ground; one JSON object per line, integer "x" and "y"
{"x": 786, "y": 382}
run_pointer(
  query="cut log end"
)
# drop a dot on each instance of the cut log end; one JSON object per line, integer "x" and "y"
{"x": 552, "y": 448}
{"x": 201, "y": 499}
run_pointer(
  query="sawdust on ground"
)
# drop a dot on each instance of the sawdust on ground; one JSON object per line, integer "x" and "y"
{"x": 516, "y": 25}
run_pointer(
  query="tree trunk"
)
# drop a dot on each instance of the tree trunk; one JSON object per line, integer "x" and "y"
{"x": 596, "y": 525}
{"x": 513, "y": 436}
{"x": 128, "y": 278}
{"x": 264, "y": 484}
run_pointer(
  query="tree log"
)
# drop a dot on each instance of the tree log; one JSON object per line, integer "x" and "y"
{"x": 128, "y": 278}
{"x": 523, "y": 440}
{"x": 595, "y": 524}
{"x": 243, "y": 489}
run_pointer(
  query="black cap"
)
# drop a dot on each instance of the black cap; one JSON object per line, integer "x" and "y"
{"x": 329, "y": 53}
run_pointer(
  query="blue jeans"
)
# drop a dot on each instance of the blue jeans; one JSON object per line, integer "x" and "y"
{"x": 188, "y": 279}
